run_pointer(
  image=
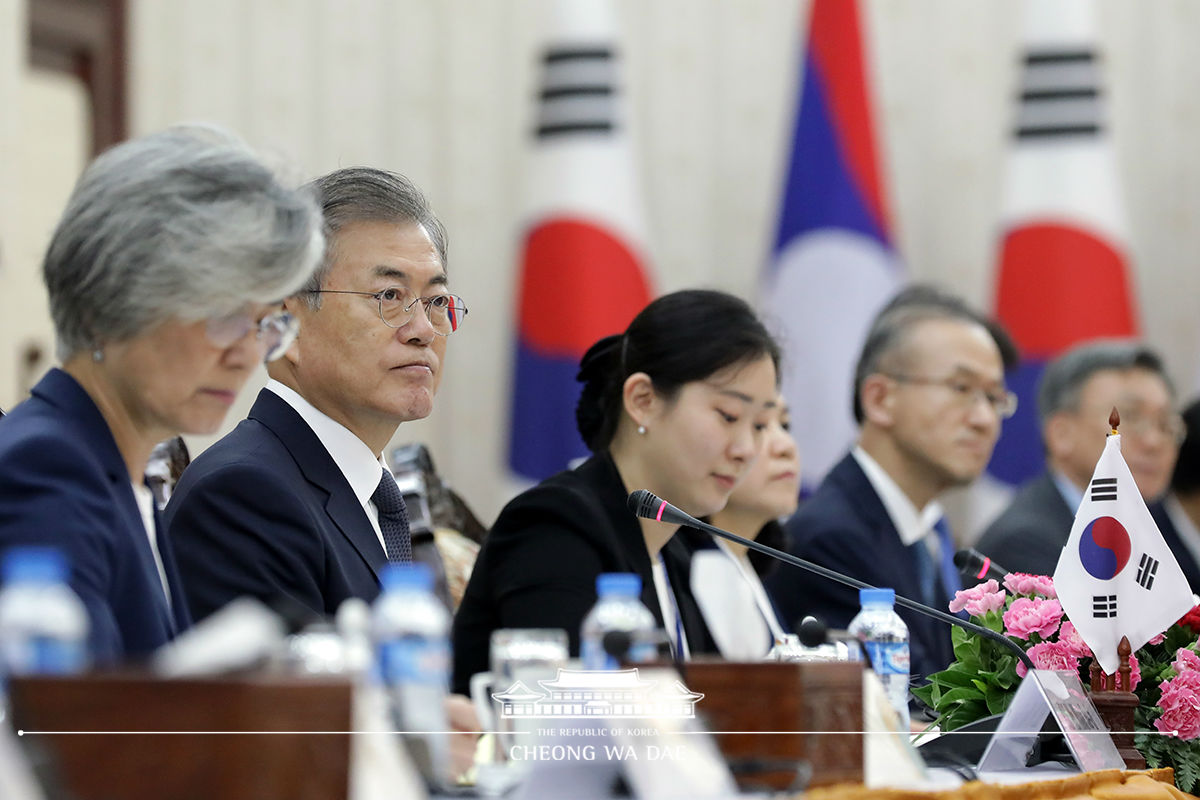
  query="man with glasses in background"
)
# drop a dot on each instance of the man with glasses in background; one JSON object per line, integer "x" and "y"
{"x": 295, "y": 506}
{"x": 1078, "y": 391}
{"x": 929, "y": 397}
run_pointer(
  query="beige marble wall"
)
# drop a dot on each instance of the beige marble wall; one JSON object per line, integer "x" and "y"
{"x": 441, "y": 90}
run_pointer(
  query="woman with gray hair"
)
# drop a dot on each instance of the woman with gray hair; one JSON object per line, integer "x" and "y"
{"x": 165, "y": 276}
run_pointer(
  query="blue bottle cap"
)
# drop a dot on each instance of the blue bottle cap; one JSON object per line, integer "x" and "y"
{"x": 621, "y": 584}
{"x": 886, "y": 597}
{"x": 35, "y": 564}
{"x": 416, "y": 576}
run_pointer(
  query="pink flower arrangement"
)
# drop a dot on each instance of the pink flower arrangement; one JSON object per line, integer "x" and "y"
{"x": 1185, "y": 661}
{"x": 1027, "y": 616}
{"x": 978, "y": 600}
{"x": 1050, "y": 655}
{"x": 1180, "y": 704}
{"x": 1024, "y": 583}
{"x": 1071, "y": 638}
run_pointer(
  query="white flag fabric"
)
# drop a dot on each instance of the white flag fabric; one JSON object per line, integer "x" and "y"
{"x": 1116, "y": 576}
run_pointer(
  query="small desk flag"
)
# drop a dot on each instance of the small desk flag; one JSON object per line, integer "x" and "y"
{"x": 1116, "y": 576}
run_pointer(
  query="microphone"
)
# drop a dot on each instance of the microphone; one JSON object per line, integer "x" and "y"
{"x": 649, "y": 506}
{"x": 979, "y": 566}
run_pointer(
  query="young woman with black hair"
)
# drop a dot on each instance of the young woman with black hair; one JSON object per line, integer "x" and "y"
{"x": 677, "y": 404}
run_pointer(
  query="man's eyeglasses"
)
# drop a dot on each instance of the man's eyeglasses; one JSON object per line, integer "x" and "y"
{"x": 1140, "y": 423}
{"x": 1002, "y": 401}
{"x": 274, "y": 333}
{"x": 445, "y": 311}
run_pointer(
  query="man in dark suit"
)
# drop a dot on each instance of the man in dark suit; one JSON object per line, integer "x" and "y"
{"x": 929, "y": 397}
{"x": 295, "y": 504}
{"x": 1179, "y": 520}
{"x": 1078, "y": 390}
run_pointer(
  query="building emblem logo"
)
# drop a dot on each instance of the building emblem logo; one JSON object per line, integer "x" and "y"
{"x": 575, "y": 693}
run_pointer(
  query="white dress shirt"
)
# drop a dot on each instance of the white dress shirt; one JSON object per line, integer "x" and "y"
{"x": 912, "y": 525}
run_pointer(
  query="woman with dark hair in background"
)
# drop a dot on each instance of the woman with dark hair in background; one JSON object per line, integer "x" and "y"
{"x": 725, "y": 576}
{"x": 165, "y": 276}
{"x": 677, "y": 405}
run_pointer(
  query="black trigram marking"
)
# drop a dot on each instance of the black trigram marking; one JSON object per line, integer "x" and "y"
{"x": 578, "y": 92}
{"x": 1104, "y": 489}
{"x": 1104, "y": 606}
{"x": 1060, "y": 95}
{"x": 1146, "y": 570}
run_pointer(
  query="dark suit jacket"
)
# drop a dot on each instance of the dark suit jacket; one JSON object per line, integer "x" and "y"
{"x": 538, "y": 565}
{"x": 845, "y": 527}
{"x": 1191, "y": 570}
{"x": 1029, "y": 535}
{"x": 63, "y": 483}
{"x": 266, "y": 512}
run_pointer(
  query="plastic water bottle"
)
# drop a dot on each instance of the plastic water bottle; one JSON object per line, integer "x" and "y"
{"x": 885, "y": 637}
{"x": 410, "y": 628}
{"x": 619, "y": 610}
{"x": 43, "y": 623}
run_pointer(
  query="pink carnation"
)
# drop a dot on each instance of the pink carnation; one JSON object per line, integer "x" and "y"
{"x": 1024, "y": 583}
{"x": 1180, "y": 703}
{"x": 1050, "y": 655}
{"x": 1074, "y": 642}
{"x": 978, "y": 600}
{"x": 1186, "y": 661}
{"x": 1135, "y": 672}
{"x": 1157, "y": 638}
{"x": 1027, "y": 616}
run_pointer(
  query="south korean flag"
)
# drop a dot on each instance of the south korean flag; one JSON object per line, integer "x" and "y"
{"x": 1116, "y": 576}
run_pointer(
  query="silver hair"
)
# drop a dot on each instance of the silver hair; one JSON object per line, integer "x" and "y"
{"x": 912, "y": 305}
{"x": 1062, "y": 383}
{"x": 366, "y": 194}
{"x": 186, "y": 223}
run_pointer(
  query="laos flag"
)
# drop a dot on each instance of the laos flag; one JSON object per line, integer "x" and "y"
{"x": 833, "y": 263}
{"x": 583, "y": 270}
{"x": 1064, "y": 275}
{"x": 1116, "y": 576}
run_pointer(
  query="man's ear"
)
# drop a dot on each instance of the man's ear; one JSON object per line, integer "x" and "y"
{"x": 1058, "y": 434}
{"x": 639, "y": 398}
{"x": 297, "y": 308}
{"x": 877, "y": 396}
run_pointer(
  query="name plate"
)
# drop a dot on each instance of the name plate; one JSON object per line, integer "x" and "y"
{"x": 1058, "y": 694}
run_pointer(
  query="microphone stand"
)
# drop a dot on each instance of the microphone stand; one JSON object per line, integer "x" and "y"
{"x": 704, "y": 527}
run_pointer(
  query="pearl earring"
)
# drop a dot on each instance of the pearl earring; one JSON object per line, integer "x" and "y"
{"x": 97, "y": 355}
{"x": 641, "y": 430}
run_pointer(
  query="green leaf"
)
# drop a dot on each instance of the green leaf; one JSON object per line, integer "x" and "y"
{"x": 956, "y": 677}
{"x": 963, "y": 694}
{"x": 998, "y": 699}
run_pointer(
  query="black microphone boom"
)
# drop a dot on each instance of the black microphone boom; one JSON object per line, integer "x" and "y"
{"x": 648, "y": 505}
{"x": 981, "y": 567}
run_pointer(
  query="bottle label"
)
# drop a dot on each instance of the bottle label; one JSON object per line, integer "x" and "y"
{"x": 414, "y": 661}
{"x": 44, "y": 655}
{"x": 888, "y": 658}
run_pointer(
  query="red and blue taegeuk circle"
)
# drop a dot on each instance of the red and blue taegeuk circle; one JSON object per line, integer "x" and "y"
{"x": 1104, "y": 548}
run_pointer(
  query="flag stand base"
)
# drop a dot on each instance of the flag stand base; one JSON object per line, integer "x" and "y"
{"x": 1116, "y": 704}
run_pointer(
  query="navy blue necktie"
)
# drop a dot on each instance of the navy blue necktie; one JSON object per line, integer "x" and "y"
{"x": 393, "y": 519}
{"x": 951, "y": 580}
{"x": 943, "y": 575}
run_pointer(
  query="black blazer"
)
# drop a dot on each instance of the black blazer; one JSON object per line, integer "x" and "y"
{"x": 844, "y": 526}
{"x": 1191, "y": 570}
{"x": 538, "y": 565}
{"x": 1029, "y": 535}
{"x": 266, "y": 512}
{"x": 64, "y": 483}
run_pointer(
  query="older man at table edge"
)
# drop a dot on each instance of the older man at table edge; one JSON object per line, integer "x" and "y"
{"x": 295, "y": 505}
